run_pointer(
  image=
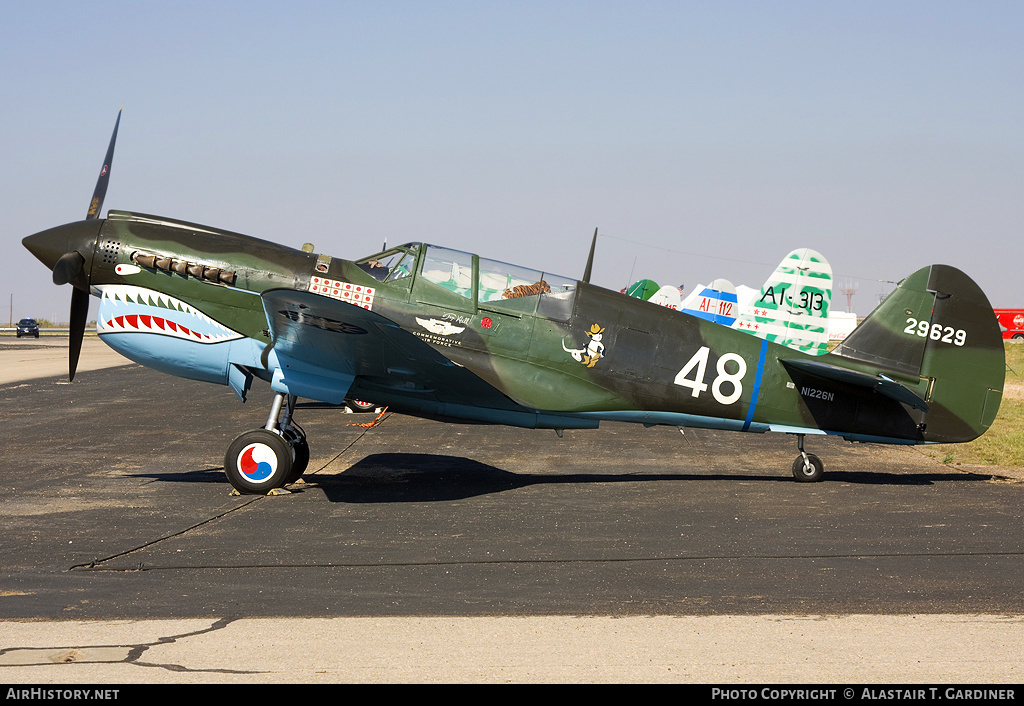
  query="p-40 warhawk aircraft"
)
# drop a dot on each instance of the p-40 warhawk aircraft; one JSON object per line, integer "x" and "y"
{"x": 446, "y": 334}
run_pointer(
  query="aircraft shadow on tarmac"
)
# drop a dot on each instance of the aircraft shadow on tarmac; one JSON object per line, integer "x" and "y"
{"x": 206, "y": 475}
{"x": 419, "y": 477}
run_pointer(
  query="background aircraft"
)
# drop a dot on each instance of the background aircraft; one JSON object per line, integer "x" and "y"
{"x": 791, "y": 308}
{"x": 452, "y": 335}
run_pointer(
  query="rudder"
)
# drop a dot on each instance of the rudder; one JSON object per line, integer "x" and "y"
{"x": 937, "y": 333}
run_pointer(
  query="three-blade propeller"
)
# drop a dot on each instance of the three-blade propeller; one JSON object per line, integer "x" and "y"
{"x": 70, "y": 268}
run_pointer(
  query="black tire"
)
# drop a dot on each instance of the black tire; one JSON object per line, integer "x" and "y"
{"x": 300, "y": 460}
{"x": 803, "y": 475}
{"x": 361, "y": 406}
{"x": 258, "y": 461}
{"x": 300, "y": 454}
{"x": 1018, "y": 336}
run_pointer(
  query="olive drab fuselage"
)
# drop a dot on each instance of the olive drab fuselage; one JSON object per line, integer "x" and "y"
{"x": 515, "y": 346}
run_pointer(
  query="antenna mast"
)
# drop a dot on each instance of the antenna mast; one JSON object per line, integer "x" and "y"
{"x": 848, "y": 289}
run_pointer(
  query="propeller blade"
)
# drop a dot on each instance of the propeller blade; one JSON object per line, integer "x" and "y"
{"x": 68, "y": 267}
{"x": 100, "y": 193}
{"x": 79, "y": 313}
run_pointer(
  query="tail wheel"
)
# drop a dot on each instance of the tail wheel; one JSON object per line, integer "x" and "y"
{"x": 258, "y": 461}
{"x": 808, "y": 468}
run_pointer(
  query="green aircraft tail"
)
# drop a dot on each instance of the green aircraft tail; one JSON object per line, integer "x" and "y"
{"x": 936, "y": 339}
{"x": 792, "y": 308}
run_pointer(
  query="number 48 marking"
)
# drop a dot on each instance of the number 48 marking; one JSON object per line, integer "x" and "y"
{"x": 697, "y": 365}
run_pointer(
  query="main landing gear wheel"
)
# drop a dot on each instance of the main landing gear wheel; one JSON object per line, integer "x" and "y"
{"x": 359, "y": 406}
{"x": 263, "y": 460}
{"x": 300, "y": 453}
{"x": 807, "y": 468}
{"x": 258, "y": 461}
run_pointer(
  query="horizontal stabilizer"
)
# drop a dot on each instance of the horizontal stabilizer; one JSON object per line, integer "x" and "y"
{"x": 880, "y": 383}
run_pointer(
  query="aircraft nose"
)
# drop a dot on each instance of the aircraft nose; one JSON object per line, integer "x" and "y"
{"x": 67, "y": 250}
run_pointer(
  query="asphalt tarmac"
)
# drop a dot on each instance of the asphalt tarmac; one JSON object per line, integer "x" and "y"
{"x": 419, "y": 551}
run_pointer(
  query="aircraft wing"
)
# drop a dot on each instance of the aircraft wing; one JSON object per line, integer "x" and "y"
{"x": 323, "y": 346}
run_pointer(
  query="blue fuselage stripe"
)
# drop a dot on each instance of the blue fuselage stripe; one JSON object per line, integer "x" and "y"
{"x": 757, "y": 385}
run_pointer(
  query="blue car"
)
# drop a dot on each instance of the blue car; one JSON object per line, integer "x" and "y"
{"x": 28, "y": 327}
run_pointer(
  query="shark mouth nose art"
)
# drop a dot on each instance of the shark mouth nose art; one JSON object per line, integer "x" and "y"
{"x": 130, "y": 309}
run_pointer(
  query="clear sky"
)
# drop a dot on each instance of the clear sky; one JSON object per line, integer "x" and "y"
{"x": 703, "y": 139}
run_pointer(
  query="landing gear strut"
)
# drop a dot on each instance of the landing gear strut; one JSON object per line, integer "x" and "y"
{"x": 261, "y": 460}
{"x": 807, "y": 468}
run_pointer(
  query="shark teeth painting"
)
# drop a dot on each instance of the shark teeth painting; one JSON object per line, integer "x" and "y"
{"x": 130, "y": 309}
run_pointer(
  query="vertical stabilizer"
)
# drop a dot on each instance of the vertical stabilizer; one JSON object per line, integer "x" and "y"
{"x": 792, "y": 308}
{"x": 714, "y": 302}
{"x": 937, "y": 332}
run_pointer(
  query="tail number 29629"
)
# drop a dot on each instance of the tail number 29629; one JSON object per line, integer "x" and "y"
{"x": 936, "y": 332}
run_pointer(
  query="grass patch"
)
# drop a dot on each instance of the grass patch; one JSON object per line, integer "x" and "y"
{"x": 1003, "y": 443}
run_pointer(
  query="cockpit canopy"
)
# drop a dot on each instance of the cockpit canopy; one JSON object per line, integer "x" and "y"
{"x": 391, "y": 265}
{"x": 485, "y": 281}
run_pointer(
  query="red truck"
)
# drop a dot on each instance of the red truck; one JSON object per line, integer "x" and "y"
{"x": 1011, "y": 322}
